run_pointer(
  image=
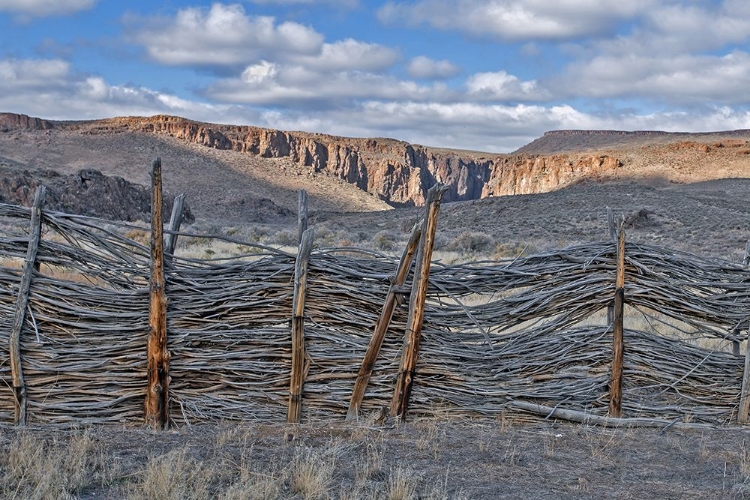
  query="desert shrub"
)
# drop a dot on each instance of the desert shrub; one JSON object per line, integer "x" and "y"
{"x": 513, "y": 249}
{"x": 286, "y": 237}
{"x": 139, "y": 236}
{"x": 384, "y": 240}
{"x": 471, "y": 242}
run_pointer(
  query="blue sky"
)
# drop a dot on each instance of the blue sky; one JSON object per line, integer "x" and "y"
{"x": 483, "y": 75}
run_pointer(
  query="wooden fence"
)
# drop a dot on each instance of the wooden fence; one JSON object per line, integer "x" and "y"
{"x": 98, "y": 329}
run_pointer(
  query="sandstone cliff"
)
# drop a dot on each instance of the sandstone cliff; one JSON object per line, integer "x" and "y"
{"x": 397, "y": 172}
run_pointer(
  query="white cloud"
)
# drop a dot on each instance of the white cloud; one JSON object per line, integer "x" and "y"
{"x": 684, "y": 79}
{"x": 348, "y": 54}
{"x": 424, "y": 68}
{"x": 223, "y": 35}
{"x": 500, "y": 86}
{"x": 42, "y": 8}
{"x": 349, "y": 4}
{"x": 517, "y": 19}
{"x": 273, "y": 84}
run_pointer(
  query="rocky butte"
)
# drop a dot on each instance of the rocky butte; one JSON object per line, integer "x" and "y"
{"x": 397, "y": 172}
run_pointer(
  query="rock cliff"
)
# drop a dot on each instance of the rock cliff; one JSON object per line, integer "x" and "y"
{"x": 397, "y": 172}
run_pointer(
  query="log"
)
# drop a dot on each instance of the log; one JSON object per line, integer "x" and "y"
{"x": 170, "y": 242}
{"x": 588, "y": 418}
{"x": 301, "y": 215}
{"x": 615, "y": 394}
{"x": 157, "y": 394}
{"x": 298, "y": 327}
{"x": 22, "y": 300}
{"x": 410, "y": 351}
{"x": 381, "y": 326}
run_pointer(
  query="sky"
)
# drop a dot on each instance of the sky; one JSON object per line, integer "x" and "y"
{"x": 481, "y": 75}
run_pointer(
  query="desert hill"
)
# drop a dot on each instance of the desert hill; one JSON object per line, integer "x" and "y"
{"x": 690, "y": 189}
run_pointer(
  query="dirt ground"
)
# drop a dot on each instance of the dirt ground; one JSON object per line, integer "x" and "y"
{"x": 486, "y": 459}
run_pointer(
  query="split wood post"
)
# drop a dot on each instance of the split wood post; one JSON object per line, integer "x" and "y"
{"x": 744, "y": 409}
{"x": 737, "y": 329}
{"x": 615, "y": 395}
{"x": 613, "y": 238}
{"x": 381, "y": 326}
{"x": 301, "y": 214}
{"x": 170, "y": 241}
{"x": 29, "y": 265}
{"x": 157, "y": 394}
{"x": 410, "y": 352}
{"x": 297, "y": 378}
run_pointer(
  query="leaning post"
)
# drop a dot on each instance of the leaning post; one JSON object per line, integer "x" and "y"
{"x": 410, "y": 351}
{"x": 29, "y": 266}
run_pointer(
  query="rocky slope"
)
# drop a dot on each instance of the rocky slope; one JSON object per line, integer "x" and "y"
{"x": 397, "y": 172}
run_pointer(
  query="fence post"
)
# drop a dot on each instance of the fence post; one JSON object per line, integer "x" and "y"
{"x": 301, "y": 214}
{"x": 297, "y": 378}
{"x": 29, "y": 265}
{"x": 612, "y": 226}
{"x": 744, "y": 409}
{"x": 381, "y": 326}
{"x": 157, "y": 394}
{"x": 615, "y": 395}
{"x": 745, "y": 262}
{"x": 400, "y": 401}
{"x": 170, "y": 242}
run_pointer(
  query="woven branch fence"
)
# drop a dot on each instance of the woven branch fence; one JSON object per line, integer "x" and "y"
{"x": 496, "y": 336}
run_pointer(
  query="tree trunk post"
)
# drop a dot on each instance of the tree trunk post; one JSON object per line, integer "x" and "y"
{"x": 297, "y": 377}
{"x": 410, "y": 352}
{"x": 29, "y": 266}
{"x": 612, "y": 226}
{"x": 301, "y": 214}
{"x": 615, "y": 395}
{"x": 381, "y": 326}
{"x": 157, "y": 394}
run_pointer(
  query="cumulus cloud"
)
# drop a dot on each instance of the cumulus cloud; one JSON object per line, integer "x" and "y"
{"x": 42, "y": 8}
{"x": 349, "y": 4}
{"x": 517, "y": 19}
{"x": 223, "y": 35}
{"x": 348, "y": 54}
{"x": 424, "y": 68}
{"x": 500, "y": 86}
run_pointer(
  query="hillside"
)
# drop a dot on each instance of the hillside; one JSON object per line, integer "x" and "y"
{"x": 693, "y": 186}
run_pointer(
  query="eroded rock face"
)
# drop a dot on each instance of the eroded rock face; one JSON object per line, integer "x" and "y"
{"x": 397, "y": 172}
{"x": 88, "y": 192}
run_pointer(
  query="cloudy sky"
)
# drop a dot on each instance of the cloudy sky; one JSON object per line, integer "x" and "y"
{"x": 485, "y": 75}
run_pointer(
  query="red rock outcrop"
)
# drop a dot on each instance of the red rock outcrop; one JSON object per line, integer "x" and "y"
{"x": 397, "y": 172}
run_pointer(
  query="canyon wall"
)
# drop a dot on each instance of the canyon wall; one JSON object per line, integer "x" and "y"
{"x": 397, "y": 172}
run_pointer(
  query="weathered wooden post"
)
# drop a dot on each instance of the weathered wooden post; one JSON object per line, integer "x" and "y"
{"x": 170, "y": 242}
{"x": 29, "y": 266}
{"x": 744, "y": 409}
{"x": 301, "y": 214}
{"x": 737, "y": 329}
{"x": 410, "y": 352}
{"x": 157, "y": 394}
{"x": 615, "y": 395}
{"x": 613, "y": 238}
{"x": 381, "y": 326}
{"x": 297, "y": 378}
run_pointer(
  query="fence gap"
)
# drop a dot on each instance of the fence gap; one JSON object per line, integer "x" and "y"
{"x": 410, "y": 352}
{"x": 615, "y": 395}
{"x": 29, "y": 266}
{"x": 301, "y": 214}
{"x": 297, "y": 378}
{"x": 157, "y": 395}
{"x": 381, "y": 326}
{"x": 170, "y": 241}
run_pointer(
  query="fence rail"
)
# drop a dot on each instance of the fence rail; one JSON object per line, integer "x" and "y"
{"x": 495, "y": 335}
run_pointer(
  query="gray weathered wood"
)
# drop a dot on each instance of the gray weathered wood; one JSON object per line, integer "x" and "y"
{"x": 175, "y": 221}
{"x": 297, "y": 378}
{"x": 381, "y": 326}
{"x": 29, "y": 266}
{"x": 301, "y": 214}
